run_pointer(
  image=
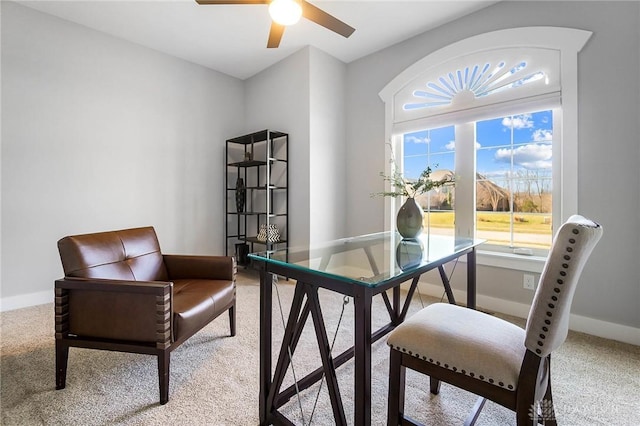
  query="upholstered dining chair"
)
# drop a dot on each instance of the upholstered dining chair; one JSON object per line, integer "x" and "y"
{"x": 488, "y": 356}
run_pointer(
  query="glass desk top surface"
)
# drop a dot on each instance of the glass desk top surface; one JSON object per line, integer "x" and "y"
{"x": 370, "y": 260}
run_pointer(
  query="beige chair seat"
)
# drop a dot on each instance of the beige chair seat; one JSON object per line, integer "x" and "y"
{"x": 464, "y": 341}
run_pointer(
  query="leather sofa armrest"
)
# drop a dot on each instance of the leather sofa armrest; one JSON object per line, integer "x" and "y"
{"x": 200, "y": 267}
{"x": 133, "y": 311}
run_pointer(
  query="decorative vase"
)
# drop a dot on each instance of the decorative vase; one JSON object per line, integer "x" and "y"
{"x": 242, "y": 250}
{"x": 269, "y": 234}
{"x": 241, "y": 193}
{"x": 409, "y": 219}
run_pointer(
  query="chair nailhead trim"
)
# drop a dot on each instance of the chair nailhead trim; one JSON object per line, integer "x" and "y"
{"x": 567, "y": 257}
{"x": 569, "y": 249}
{"x": 575, "y": 231}
{"x": 455, "y": 369}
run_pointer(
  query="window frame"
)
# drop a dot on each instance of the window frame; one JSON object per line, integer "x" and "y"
{"x": 568, "y": 42}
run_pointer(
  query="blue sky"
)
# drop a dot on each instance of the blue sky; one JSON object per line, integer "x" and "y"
{"x": 525, "y": 137}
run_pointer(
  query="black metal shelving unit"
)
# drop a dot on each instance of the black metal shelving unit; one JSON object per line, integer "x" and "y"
{"x": 260, "y": 159}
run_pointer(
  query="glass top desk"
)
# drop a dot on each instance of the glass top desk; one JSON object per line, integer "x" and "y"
{"x": 360, "y": 267}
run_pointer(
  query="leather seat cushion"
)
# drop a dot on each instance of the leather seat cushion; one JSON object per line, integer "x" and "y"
{"x": 465, "y": 341}
{"x": 197, "y": 301}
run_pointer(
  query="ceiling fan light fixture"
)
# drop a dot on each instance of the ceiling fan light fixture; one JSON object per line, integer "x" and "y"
{"x": 285, "y": 12}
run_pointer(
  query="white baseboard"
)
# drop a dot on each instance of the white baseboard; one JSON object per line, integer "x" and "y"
{"x": 595, "y": 327}
{"x": 25, "y": 300}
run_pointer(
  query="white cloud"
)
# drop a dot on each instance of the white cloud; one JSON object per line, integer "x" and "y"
{"x": 415, "y": 139}
{"x": 542, "y": 135}
{"x": 533, "y": 156}
{"x": 451, "y": 146}
{"x": 523, "y": 121}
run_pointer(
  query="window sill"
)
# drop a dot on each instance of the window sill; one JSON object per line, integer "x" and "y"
{"x": 518, "y": 262}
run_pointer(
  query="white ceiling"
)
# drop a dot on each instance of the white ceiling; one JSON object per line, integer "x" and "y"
{"x": 232, "y": 38}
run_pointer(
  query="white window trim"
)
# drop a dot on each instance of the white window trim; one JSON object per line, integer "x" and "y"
{"x": 568, "y": 42}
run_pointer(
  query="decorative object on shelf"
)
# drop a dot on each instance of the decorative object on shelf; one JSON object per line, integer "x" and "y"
{"x": 409, "y": 253}
{"x": 410, "y": 219}
{"x": 248, "y": 156}
{"x": 410, "y": 212}
{"x": 241, "y": 195}
{"x": 242, "y": 250}
{"x": 269, "y": 234}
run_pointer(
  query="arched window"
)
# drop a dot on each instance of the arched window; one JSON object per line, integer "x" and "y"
{"x": 499, "y": 110}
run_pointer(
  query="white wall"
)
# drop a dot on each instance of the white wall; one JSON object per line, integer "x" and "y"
{"x": 608, "y": 173}
{"x": 278, "y": 99}
{"x": 101, "y": 134}
{"x": 328, "y": 209}
{"x": 303, "y": 95}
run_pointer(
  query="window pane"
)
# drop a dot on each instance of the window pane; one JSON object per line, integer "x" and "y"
{"x": 433, "y": 148}
{"x": 514, "y": 180}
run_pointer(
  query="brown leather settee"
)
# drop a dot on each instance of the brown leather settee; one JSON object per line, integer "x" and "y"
{"x": 120, "y": 293}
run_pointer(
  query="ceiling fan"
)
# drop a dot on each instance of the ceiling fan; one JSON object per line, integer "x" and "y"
{"x": 288, "y": 12}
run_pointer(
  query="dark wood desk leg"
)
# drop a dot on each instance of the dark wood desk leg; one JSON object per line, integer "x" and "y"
{"x": 396, "y": 306}
{"x": 471, "y": 279}
{"x": 266, "y": 280}
{"x": 362, "y": 362}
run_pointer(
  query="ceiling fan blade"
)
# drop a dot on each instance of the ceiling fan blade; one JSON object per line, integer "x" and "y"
{"x": 321, "y": 17}
{"x": 233, "y": 2}
{"x": 275, "y": 35}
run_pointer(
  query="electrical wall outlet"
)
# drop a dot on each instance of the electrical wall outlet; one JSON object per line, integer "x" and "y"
{"x": 529, "y": 282}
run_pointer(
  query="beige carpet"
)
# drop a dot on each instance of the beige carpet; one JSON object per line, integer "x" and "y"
{"x": 214, "y": 378}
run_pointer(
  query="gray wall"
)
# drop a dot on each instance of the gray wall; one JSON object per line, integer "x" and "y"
{"x": 102, "y": 134}
{"x": 327, "y": 147}
{"x": 278, "y": 99}
{"x": 609, "y": 148}
{"x": 303, "y": 95}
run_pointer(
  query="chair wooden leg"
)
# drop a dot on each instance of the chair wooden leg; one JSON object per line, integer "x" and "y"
{"x": 62, "y": 357}
{"x": 397, "y": 374}
{"x": 232, "y": 319}
{"x": 548, "y": 411}
{"x": 163, "y": 375}
{"x": 434, "y": 385}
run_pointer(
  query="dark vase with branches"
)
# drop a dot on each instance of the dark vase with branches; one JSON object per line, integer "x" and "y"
{"x": 409, "y": 220}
